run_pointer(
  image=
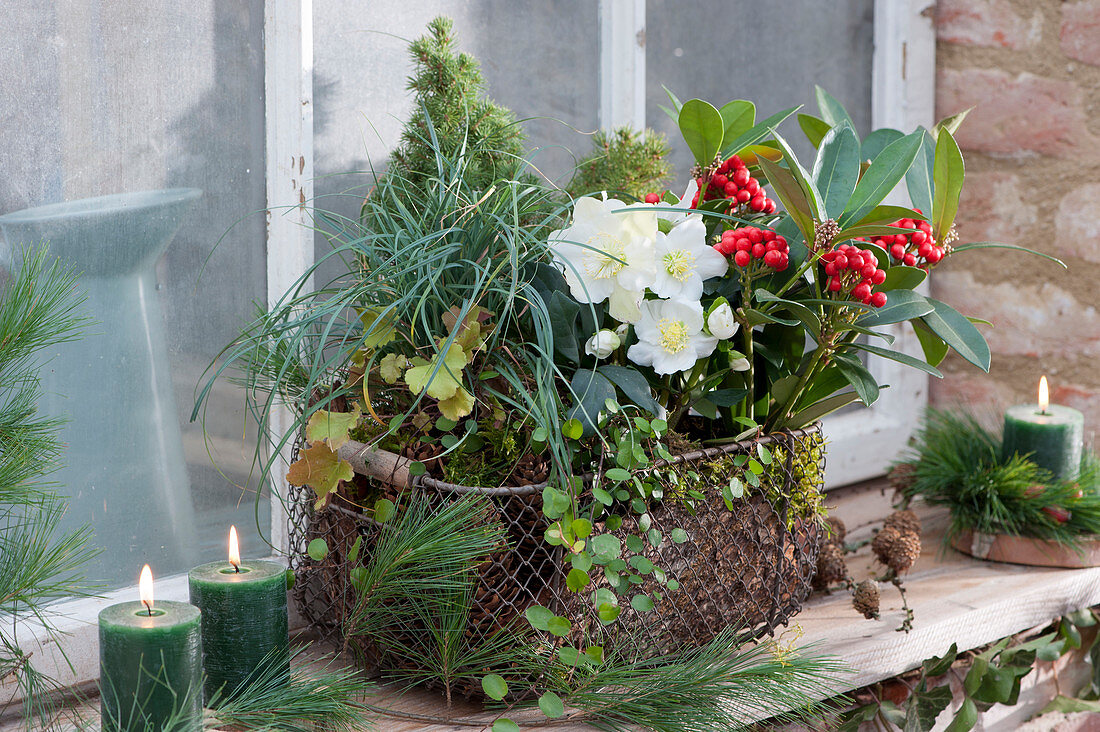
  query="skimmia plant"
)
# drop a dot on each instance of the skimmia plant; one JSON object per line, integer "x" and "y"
{"x": 496, "y": 333}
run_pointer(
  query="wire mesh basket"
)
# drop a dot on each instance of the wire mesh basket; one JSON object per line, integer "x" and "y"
{"x": 748, "y": 567}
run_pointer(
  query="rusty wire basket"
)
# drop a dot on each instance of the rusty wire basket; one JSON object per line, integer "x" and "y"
{"x": 749, "y": 567}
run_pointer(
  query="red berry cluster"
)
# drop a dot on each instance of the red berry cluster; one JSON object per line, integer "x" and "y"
{"x": 732, "y": 181}
{"x": 853, "y": 272}
{"x": 749, "y": 244}
{"x": 918, "y": 249}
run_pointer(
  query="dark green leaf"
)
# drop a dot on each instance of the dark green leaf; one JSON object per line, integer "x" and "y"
{"x": 758, "y": 132}
{"x": 938, "y": 666}
{"x": 887, "y": 213}
{"x": 918, "y": 180}
{"x": 935, "y": 350}
{"x": 900, "y": 357}
{"x": 836, "y": 170}
{"x": 757, "y": 317}
{"x": 551, "y": 705}
{"x": 563, "y": 311}
{"x": 832, "y": 111}
{"x": 559, "y": 626}
{"x": 924, "y": 707}
{"x": 495, "y": 686}
{"x": 965, "y": 718}
{"x": 858, "y": 376}
{"x": 901, "y": 305}
{"x": 877, "y": 141}
{"x": 737, "y": 117}
{"x": 957, "y": 332}
{"x": 631, "y": 382}
{"x": 617, "y": 474}
{"x": 702, "y": 127}
{"x": 813, "y": 127}
{"x": 881, "y": 177}
{"x": 590, "y": 391}
{"x": 947, "y": 174}
{"x": 577, "y": 580}
{"x": 818, "y": 410}
{"x": 900, "y": 277}
{"x": 792, "y": 196}
{"x": 353, "y": 553}
{"x": 802, "y": 177}
{"x": 727, "y": 397}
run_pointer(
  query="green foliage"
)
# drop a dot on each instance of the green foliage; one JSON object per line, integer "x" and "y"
{"x": 39, "y": 307}
{"x": 623, "y": 161}
{"x": 452, "y": 117}
{"x": 990, "y": 676}
{"x": 717, "y": 686}
{"x": 956, "y": 462}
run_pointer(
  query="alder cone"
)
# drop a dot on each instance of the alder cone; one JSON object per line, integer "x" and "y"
{"x": 830, "y": 566}
{"x": 838, "y": 532}
{"x": 905, "y": 522}
{"x": 901, "y": 477}
{"x": 903, "y": 553}
{"x": 427, "y": 453}
{"x": 530, "y": 470}
{"x": 865, "y": 599}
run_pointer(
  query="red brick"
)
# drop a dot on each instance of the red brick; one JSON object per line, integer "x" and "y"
{"x": 975, "y": 392}
{"x": 1080, "y": 31}
{"x": 993, "y": 208}
{"x": 1078, "y": 223}
{"x": 985, "y": 23}
{"x": 1016, "y": 115}
{"x": 1028, "y": 320}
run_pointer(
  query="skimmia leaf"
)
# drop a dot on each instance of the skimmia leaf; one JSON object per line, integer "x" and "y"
{"x": 738, "y": 117}
{"x": 947, "y": 172}
{"x": 702, "y": 127}
{"x": 958, "y": 332}
{"x": 836, "y": 170}
{"x": 881, "y": 177}
{"x": 813, "y": 127}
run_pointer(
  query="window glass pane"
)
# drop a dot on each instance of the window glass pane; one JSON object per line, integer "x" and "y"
{"x": 769, "y": 53}
{"x": 540, "y": 58}
{"x": 113, "y": 97}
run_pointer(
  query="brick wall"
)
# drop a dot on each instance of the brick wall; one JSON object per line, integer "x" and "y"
{"x": 1031, "y": 70}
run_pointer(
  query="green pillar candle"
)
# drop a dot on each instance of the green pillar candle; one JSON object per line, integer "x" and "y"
{"x": 150, "y": 667}
{"x": 1054, "y": 437}
{"x": 244, "y": 619}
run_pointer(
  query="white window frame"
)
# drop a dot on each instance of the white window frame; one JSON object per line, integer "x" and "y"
{"x": 861, "y": 443}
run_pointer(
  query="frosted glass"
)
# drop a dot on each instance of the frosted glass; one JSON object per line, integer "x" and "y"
{"x": 770, "y": 53}
{"x": 107, "y": 97}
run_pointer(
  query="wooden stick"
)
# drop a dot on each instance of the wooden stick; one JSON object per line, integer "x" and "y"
{"x": 381, "y": 465}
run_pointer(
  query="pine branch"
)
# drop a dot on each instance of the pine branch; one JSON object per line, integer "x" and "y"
{"x": 623, "y": 161}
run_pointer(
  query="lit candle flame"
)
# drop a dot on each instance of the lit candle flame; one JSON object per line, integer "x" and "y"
{"x": 234, "y": 550}
{"x": 145, "y": 588}
{"x": 1044, "y": 395}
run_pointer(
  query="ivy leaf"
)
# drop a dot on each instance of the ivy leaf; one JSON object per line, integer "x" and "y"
{"x": 331, "y": 427}
{"x": 551, "y": 705}
{"x": 495, "y": 686}
{"x": 439, "y": 379}
{"x": 319, "y": 467}
{"x": 458, "y": 405}
{"x": 966, "y": 717}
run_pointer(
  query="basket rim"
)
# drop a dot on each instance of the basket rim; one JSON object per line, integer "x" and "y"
{"x": 426, "y": 481}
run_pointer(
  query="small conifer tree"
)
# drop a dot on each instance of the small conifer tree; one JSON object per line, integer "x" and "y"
{"x": 451, "y": 107}
{"x": 623, "y": 161}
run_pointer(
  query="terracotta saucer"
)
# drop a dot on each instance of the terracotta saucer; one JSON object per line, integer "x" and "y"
{"x": 1024, "y": 550}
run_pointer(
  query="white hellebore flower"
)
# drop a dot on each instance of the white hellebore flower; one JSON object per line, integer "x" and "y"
{"x": 603, "y": 344}
{"x": 607, "y": 255}
{"x": 670, "y": 336}
{"x": 684, "y": 260}
{"x": 720, "y": 322}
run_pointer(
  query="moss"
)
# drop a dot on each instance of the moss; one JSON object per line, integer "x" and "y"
{"x": 484, "y": 458}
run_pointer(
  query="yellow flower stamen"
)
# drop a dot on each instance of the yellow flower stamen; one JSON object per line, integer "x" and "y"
{"x": 606, "y": 257}
{"x": 679, "y": 264}
{"x": 674, "y": 335}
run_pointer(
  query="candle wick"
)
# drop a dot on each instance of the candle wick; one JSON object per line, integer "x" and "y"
{"x": 237, "y": 568}
{"x": 148, "y": 608}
